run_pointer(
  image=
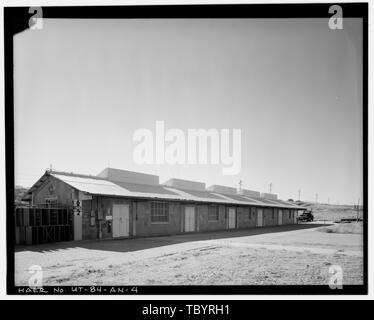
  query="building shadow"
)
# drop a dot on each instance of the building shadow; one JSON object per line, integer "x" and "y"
{"x": 142, "y": 243}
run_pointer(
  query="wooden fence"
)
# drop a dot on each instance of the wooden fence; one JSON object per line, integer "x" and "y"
{"x": 40, "y": 224}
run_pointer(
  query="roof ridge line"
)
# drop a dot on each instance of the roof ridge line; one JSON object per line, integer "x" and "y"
{"x": 72, "y": 174}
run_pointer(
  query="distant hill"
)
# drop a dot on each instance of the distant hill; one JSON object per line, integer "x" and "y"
{"x": 19, "y": 192}
{"x": 331, "y": 212}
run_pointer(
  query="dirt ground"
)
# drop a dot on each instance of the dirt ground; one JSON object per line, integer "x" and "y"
{"x": 289, "y": 255}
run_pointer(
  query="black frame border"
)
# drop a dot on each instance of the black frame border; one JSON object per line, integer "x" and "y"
{"x": 16, "y": 20}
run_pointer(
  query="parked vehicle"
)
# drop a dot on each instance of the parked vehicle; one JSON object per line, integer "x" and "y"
{"x": 306, "y": 216}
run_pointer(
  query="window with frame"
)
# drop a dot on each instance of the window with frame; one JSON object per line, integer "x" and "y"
{"x": 159, "y": 212}
{"x": 213, "y": 213}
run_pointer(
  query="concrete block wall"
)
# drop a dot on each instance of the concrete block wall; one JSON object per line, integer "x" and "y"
{"x": 294, "y": 216}
{"x": 270, "y": 217}
{"x": 144, "y": 225}
{"x": 222, "y": 209}
{"x": 246, "y": 217}
{"x": 286, "y": 216}
{"x": 98, "y": 208}
{"x": 204, "y": 224}
{"x": 254, "y": 216}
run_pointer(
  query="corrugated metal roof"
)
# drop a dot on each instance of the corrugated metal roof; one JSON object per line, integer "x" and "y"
{"x": 93, "y": 186}
{"x": 239, "y": 198}
{"x": 147, "y": 189}
{"x": 101, "y": 186}
{"x": 284, "y": 202}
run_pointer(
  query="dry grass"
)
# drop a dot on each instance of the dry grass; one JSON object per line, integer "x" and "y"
{"x": 354, "y": 227}
{"x": 290, "y": 257}
{"x": 331, "y": 212}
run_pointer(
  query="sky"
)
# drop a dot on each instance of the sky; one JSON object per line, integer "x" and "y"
{"x": 293, "y": 87}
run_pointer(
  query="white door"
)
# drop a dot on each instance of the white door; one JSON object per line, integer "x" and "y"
{"x": 280, "y": 217}
{"x": 77, "y": 213}
{"x": 121, "y": 220}
{"x": 78, "y": 226}
{"x": 259, "y": 217}
{"x": 189, "y": 219}
{"x": 232, "y": 218}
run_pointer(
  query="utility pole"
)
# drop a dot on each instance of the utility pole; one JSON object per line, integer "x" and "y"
{"x": 358, "y": 209}
{"x": 270, "y": 185}
{"x": 299, "y": 194}
{"x": 240, "y": 185}
{"x": 316, "y": 197}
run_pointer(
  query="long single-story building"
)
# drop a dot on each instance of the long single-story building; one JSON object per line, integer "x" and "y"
{"x": 119, "y": 203}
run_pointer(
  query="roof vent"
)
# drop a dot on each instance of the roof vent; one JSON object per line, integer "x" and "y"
{"x": 185, "y": 184}
{"x": 117, "y": 175}
{"x": 222, "y": 189}
{"x": 249, "y": 193}
{"x": 270, "y": 196}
